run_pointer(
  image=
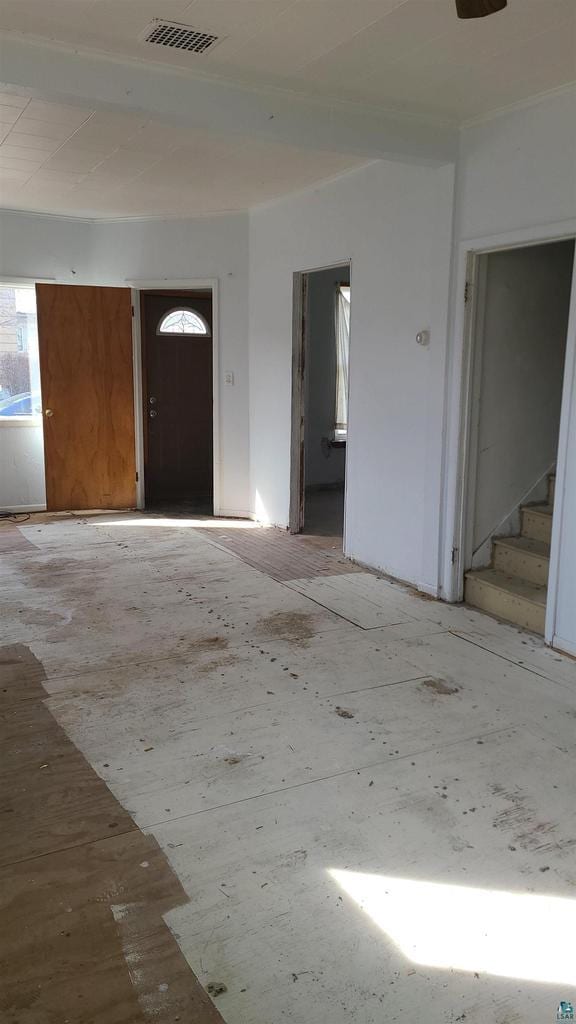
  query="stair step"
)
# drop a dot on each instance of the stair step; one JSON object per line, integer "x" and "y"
{"x": 551, "y": 488}
{"x": 508, "y": 597}
{"x": 523, "y": 557}
{"x": 537, "y": 522}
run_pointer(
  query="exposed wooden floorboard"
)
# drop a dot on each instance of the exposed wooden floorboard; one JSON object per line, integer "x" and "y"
{"x": 83, "y": 892}
{"x": 285, "y": 556}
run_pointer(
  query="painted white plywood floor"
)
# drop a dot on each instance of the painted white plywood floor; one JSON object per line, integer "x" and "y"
{"x": 367, "y": 796}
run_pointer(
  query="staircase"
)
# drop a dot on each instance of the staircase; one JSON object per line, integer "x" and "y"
{"x": 514, "y": 587}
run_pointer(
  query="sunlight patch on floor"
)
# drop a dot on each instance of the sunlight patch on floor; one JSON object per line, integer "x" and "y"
{"x": 479, "y": 930}
{"x": 183, "y": 524}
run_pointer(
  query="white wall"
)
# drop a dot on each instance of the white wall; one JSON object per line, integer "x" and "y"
{"x": 393, "y": 221}
{"x": 516, "y": 183}
{"x": 21, "y": 465}
{"x": 519, "y": 169}
{"x": 36, "y": 246}
{"x": 522, "y": 351}
{"x": 117, "y": 253}
{"x": 323, "y": 465}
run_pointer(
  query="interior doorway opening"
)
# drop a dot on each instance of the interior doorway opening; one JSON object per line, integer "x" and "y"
{"x": 177, "y": 378}
{"x": 320, "y": 402}
{"x": 519, "y": 337}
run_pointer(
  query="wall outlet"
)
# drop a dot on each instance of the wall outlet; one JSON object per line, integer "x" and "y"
{"x": 229, "y": 378}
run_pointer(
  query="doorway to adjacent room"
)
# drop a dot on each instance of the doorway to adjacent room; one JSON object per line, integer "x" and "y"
{"x": 518, "y": 339}
{"x": 320, "y": 401}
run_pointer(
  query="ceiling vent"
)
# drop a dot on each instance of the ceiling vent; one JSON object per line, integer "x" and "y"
{"x": 178, "y": 37}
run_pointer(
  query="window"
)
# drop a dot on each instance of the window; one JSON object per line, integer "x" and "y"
{"x": 342, "y": 359}
{"x": 183, "y": 321}
{"x": 19, "y": 360}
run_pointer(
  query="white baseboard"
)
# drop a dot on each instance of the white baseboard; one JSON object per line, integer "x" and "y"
{"x": 16, "y": 509}
{"x": 234, "y": 513}
{"x": 227, "y": 513}
{"x": 422, "y": 588}
{"x": 567, "y": 646}
{"x": 429, "y": 590}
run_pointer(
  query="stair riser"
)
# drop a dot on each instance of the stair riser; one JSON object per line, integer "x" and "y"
{"x": 536, "y": 525}
{"x": 506, "y": 606}
{"x": 518, "y": 563}
{"x": 551, "y": 489}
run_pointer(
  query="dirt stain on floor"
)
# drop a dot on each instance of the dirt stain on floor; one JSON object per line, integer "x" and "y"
{"x": 91, "y": 889}
{"x": 440, "y": 687}
{"x": 292, "y": 626}
{"x": 519, "y": 818}
{"x": 227, "y": 661}
{"x": 344, "y": 712}
{"x": 71, "y": 571}
{"x": 40, "y": 617}
{"x": 209, "y": 643}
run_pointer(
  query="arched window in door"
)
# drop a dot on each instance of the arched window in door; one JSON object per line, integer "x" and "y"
{"x": 183, "y": 321}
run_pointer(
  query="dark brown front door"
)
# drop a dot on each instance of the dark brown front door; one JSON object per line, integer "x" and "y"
{"x": 85, "y": 342}
{"x": 177, "y": 335}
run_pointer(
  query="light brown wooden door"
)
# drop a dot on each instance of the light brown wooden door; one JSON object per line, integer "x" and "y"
{"x": 85, "y": 342}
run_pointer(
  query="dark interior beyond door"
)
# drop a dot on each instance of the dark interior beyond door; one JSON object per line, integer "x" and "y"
{"x": 177, "y": 359}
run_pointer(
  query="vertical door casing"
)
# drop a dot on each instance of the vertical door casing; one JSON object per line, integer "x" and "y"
{"x": 299, "y": 327}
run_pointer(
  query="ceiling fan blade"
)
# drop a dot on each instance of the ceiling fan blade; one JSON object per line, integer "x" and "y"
{"x": 479, "y": 8}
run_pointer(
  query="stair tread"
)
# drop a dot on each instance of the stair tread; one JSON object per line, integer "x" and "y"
{"x": 542, "y": 509}
{"x": 533, "y": 592}
{"x": 528, "y": 545}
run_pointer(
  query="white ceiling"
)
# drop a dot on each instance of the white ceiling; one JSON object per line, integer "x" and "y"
{"x": 413, "y": 56}
{"x": 63, "y": 159}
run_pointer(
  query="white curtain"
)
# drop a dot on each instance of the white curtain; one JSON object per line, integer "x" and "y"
{"x": 342, "y": 357}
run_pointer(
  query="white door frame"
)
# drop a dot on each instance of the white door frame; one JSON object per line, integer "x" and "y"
{"x": 197, "y": 284}
{"x": 459, "y": 419}
{"x": 299, "y": 327}
{"x": 566, "y": 417}
{"x": 298, "y": 400}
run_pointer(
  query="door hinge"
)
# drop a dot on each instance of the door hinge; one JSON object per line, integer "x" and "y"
{"x": 467, "y": 292}
{"x": 136, "y": 477}
{"x": 454, "y": 553}
{"x": 132, "y": 308}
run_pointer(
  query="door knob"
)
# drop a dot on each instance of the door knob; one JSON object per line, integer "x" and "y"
{"x": 48, "y": 412}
